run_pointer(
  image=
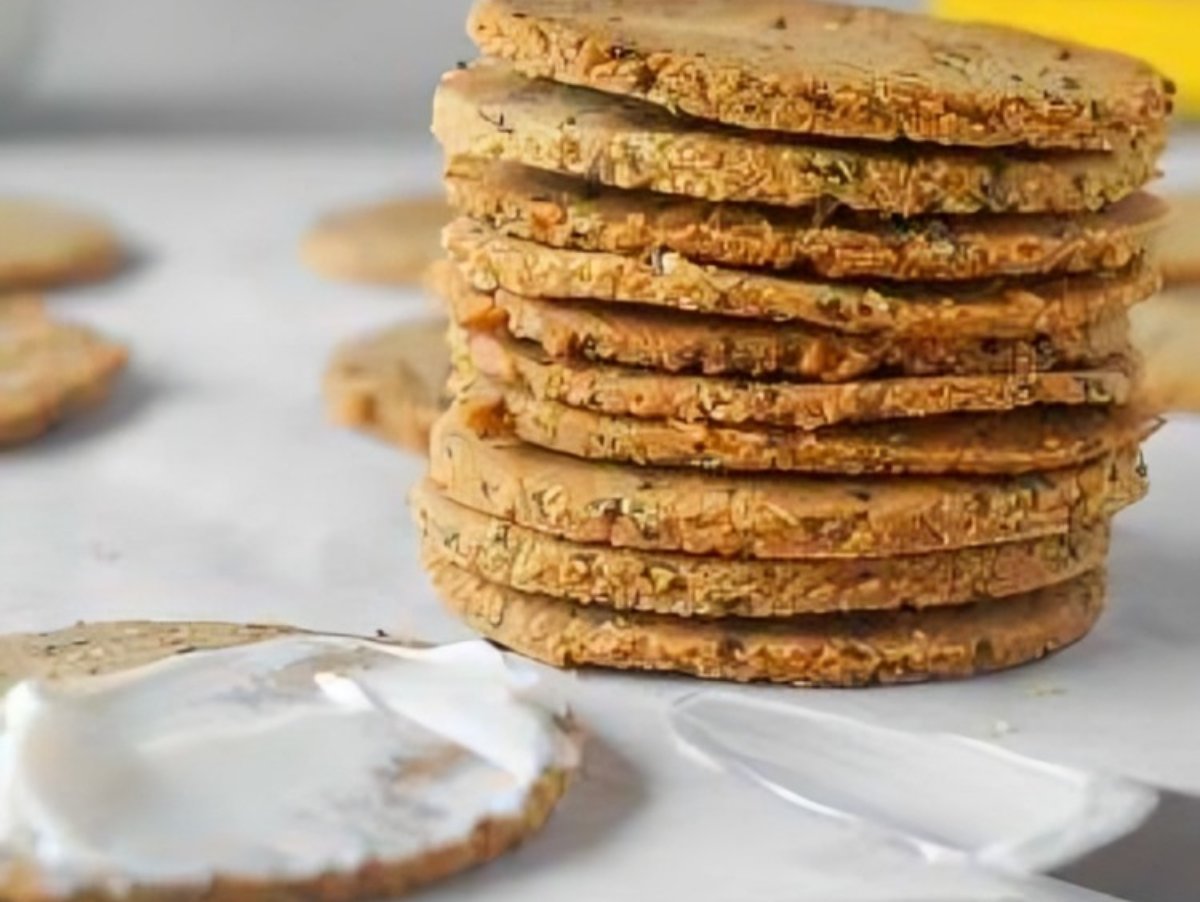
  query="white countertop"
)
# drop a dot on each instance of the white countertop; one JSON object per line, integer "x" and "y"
{"x": 213, "y": 488}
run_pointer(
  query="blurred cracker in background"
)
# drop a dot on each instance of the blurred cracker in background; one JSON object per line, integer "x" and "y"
{"x": 391, "y": 242}
{"x": 49, "y": 371}
{"x": 1178, "y": 245}
{"x": 43, "y": 244}
{"x": 391, "y": 384}
{"x": 1167, "y": 328}
{"x": 1167, "y": 332}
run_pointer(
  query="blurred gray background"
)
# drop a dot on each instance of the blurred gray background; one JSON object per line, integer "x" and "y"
{"x": 134, "y": 67}
{"x": 185, "y": 66}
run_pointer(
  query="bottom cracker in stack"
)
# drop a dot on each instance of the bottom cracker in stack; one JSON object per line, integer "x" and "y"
{"x": 824, "y": 580}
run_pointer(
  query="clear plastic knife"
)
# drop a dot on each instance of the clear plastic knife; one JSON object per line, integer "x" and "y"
{"x": 1069, "y": 834}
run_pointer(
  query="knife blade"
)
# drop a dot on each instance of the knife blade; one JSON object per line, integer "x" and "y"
{"x": 1097, "y": 837}
{"x": 1158, "y": 862}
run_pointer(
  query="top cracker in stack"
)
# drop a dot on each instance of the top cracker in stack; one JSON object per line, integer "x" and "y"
{"x": 792, "y": 338}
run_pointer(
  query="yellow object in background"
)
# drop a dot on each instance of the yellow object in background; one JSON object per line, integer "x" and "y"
{"x": 1162, "y": 32}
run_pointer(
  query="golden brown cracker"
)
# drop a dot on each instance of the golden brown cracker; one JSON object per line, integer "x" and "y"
{"x": 1178, "y": 245}
{"x": 830, "y": 69}
{"x": 995, "y": 309}
{"x": 44, "y": 244}
{"x": 1166, "y": 332}
{"x": 49, "y": 371}
{"x": 392, "y": 383}
{"x": 476, "y": 462}
{"x": 490, "y": 113}
{"x": 684, "y": 585}
{"x": 560, "y": 211}
{"x": 1023, "y": 441}
{"x": 677, "y": 341}
{"x": 390, "y": 242}
{"x": 856, "y": 649}
{"x": 622, "y": 390}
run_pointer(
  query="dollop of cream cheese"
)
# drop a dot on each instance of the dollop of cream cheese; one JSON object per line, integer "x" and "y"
{"x": 283, "y": 759}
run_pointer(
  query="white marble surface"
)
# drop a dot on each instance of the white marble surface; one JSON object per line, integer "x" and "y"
{"x": 213, "y": 488}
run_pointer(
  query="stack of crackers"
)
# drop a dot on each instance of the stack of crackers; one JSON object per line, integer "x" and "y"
{"x": 792, "y": 338}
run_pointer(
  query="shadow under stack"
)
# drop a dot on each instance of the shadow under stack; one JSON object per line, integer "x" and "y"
{"x": 791, "y": 339}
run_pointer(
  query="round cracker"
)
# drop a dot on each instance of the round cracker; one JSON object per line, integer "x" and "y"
{"x": 996, "y": 309}
{"x": 1022, "y": 441}
{"x": 826, "y": 69}
{"x": 676, "y": 341}
{"x": 49, "y": 371}
{"x": 1166, "y": 332}
{"x": 856, "y": 649}
{"x": 685, "y": 585}
{"x": 620, "y": 390}
{"x": 391, "y": 242}
{"x": 1178, "y": 246}
{"x": 95, "y": 648}
{"x": 391, "y": 384}
{"x": 91, "y": 649}
{"x": 560, "y": 211}
{"x": 490, "y": 113}
{"x": 476, "y": 462}
{"x": 44, "y": 244}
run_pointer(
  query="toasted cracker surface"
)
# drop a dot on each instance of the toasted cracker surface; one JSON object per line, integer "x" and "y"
{"x": 561, "y": 211}
{"x": 856, "y": 649}
{"x": 392, "y": 383}
{"x": 477, "y": 462}
{"x": 684, "y": 585}
{"x": 771, "y": 64}
{"x": 49, "y": 371}
{"x": 490, "y": 113}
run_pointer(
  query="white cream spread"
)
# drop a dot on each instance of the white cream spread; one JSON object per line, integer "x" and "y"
{"x": 283, "y": 759}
